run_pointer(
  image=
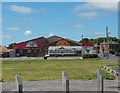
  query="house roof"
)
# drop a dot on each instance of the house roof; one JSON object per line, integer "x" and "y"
{"x": 3, "y": 49}
{"x": 30, "y": 40}
{"x": 10, "y": 50}
{"x": 64, "y": 39}
{"x": 22, "y": 45}
{"x": 57, "y": 38}
{"x": 42, "y": 42}
{"x": 88, "y": 44}
{"x": 53, "y": 38}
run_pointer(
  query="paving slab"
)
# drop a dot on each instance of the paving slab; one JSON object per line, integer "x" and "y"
{"x": 56, "y": 85}
{"x": 0, "y": 87}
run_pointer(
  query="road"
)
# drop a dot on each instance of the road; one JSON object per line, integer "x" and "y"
{"x": 114, "y": 58}
{"x": 30, "y": 58}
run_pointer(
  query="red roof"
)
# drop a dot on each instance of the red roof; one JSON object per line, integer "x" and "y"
{"x": 63, "y": 39}
{"x": 88, "y": 44}
{"x": 22, "y": 45}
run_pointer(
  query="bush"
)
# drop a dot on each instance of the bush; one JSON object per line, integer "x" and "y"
{"x": 90, "y": 56}
{"x": 112, "y": 51}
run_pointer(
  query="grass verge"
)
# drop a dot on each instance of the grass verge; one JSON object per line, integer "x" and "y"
{"x": 33, "y": 70}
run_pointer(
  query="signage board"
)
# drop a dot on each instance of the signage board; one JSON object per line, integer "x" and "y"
{"x": 85, "y": 48}
{"x": 62, "y": 43}
{"x": 31, "y": 44}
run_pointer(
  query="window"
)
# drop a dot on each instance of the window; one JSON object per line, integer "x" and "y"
{"x": 58, "y": 51}
{"x": 55, "y": 51}
{"x": 35, "y": 50}
{"x": 66, "y": 51}
{"x": 87, "y": 51}
{"x": 62, "y": 51}
{"x": 51, "y": 51}
{"x": 74, "y": 51}
{"x": 21, "y": 51}
{"x": 28, "y": 51}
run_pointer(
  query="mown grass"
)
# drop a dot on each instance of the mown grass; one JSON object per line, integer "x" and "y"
{"x": 107, "y": 75}
{"x": 33, "y": 70}
{"x": 114, "y": 66}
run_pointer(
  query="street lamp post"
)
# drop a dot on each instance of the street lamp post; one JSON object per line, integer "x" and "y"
{"x": 82, "y": 45}
{"x": 107, "y": 56}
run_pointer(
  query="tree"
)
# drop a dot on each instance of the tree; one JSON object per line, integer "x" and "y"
{"x": 11, "y": 45}
{"x": 91, "y": 40}
{"x": 119, "y": 41}
{"x": 112, "y": 38}
{"x": 99, "y": 40}
{"x": 85, "y": 40}
{"x": 118, "y": 49}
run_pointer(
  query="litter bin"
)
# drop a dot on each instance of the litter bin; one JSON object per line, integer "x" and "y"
{"x": 45, "y": 57}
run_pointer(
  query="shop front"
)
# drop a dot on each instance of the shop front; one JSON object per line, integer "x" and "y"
{"x": 65, "y": 50}
{"x": 63, "y": 47}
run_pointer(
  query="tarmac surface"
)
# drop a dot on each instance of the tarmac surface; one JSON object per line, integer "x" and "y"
{"x": 56, "y": 85}
{"x": 111, "y": 57}
{"x": 114, "y": 58}
{"x": 30, "y": 58}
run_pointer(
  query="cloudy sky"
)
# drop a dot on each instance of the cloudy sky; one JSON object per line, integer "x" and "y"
{"x": 23, "y": 21}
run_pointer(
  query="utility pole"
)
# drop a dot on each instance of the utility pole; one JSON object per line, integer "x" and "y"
{"x": 107, "y": 41}
{"x": 82, "y": 45}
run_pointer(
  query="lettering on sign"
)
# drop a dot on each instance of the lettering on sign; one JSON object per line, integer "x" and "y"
{"x": 62, "y": 43}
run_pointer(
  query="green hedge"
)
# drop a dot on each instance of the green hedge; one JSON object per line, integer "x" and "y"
{"x": 112, "y": 51}
{"x": 90, "y": 56}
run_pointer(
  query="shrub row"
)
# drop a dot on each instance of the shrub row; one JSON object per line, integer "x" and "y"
{"x": 90, "y": 56}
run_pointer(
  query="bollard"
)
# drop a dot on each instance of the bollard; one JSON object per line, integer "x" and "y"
{"x": 100, "y": 87}
{"x": 111, "y": 71}
{"x": 65, "y": 82}
{"x": 45, "y": 58}
{"x": 19, "y": 84}
{"x": 114, "y": 71}
{"x": 108, "y": 69}
{"x": 102, "y": 66}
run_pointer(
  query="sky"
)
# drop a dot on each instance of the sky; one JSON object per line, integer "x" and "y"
{"x": 22, "y": 21}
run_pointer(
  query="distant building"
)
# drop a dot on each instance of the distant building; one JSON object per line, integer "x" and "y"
{"x": 53, "y": 46}
{"x": 97, "y": 48}
{"x": 4, "y": 52}
{"x": 111, "y": 45}
{"x": 88, "y": 48}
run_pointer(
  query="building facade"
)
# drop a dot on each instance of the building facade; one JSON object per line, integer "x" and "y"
{"x": 53, "y": 46}
{"x": 4, "y": 51}
{"x": 88, "y": 48}
{"x": 111, "y": 45}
